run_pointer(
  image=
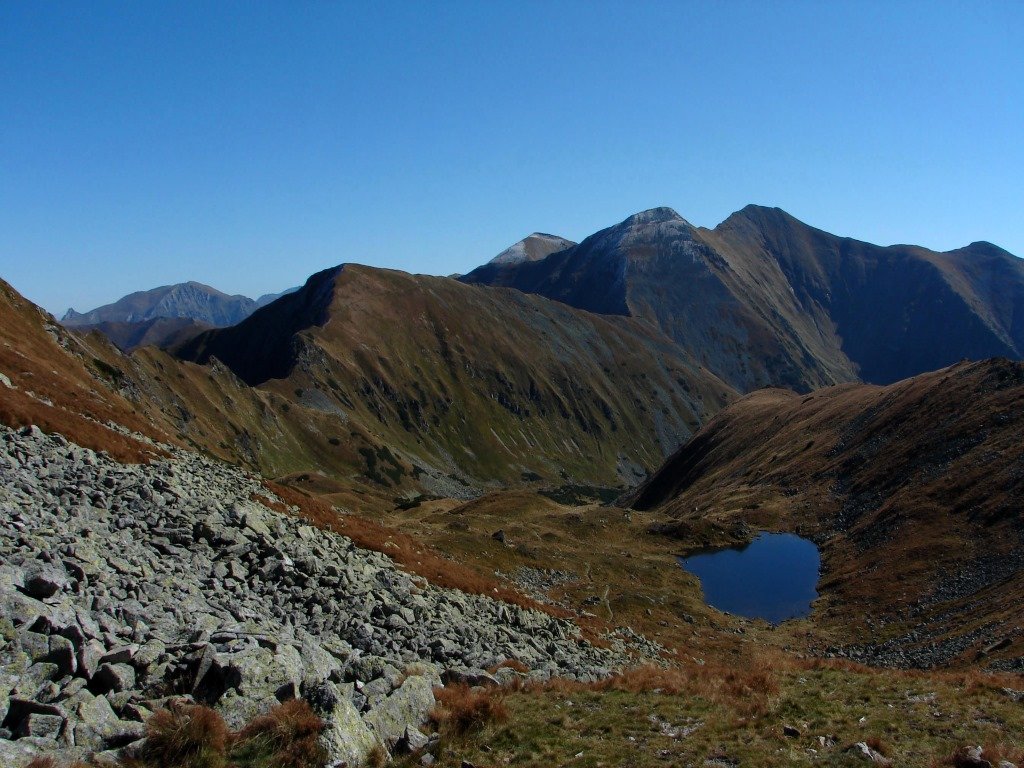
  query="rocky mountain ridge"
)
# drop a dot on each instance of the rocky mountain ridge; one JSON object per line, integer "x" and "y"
{"x": 766, "y": 300}
{"x": 479, "y": 383}
{"x": 533, "y": 247}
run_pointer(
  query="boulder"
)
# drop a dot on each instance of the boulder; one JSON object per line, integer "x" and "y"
{"x": 43, "y": 581}
{"x": 408, "y": 706}
{"x": 862, "y": 750}
{"x": 97, "y": 726}
{"x": 413, "y": 740}
{"x": 44, "y": 726}
{"x": 470, "y": 677}
{"x": 114, "y": 678}
{"x": 345, "y": 738}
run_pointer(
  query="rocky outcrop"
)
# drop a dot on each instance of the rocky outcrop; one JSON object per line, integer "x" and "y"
{"x": 123, "y": 585}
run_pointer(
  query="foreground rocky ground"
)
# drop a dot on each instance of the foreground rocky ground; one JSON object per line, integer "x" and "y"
{"x": 123, "y": 585}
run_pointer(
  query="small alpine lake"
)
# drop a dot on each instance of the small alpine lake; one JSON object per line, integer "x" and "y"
{"x": 772, "y": 578}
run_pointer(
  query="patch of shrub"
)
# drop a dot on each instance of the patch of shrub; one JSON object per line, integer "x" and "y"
{"x": 186, "y": 736}
{"x": 285, "y": 737}
{"x": 461, "y": 709}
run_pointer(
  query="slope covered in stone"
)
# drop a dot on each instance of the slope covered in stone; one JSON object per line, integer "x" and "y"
{"x": 120, "y": 584}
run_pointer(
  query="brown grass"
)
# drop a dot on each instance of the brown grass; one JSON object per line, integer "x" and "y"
{"x": 378, "y": 757}
{"x": 285, "y": 737}
{"x": 514, "y": 664}
{"x": 403, "y": 549}
{"x": 745, "y": 687}
{"x": 66, "y": 395}
{"x": 186, "y": 736}
{"x": 879, "y": 745}
{"x": 461, "y": 709}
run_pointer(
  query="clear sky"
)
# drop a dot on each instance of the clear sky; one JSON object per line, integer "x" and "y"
{"x": 249, "y": 144}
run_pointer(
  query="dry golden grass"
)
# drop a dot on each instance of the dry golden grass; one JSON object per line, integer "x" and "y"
{"x": 514, "y": 664}
{"x": 461, "y": 709}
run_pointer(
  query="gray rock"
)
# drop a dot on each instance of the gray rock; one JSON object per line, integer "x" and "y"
{"x": 42, "y": 581}
{"x": 408, "y": 706}
{"x": 62, "y": 653}
{"x": 114, "y": 678}
{"x": 470, "y": 677}
{"x": 345, "y": 738}
{"x": 96, "y": 725}
{"x": 862, "y": 750}
{"x": 89, "y": 656}
{"x": 44, "y": 726}
{"x": 413, "y": 740}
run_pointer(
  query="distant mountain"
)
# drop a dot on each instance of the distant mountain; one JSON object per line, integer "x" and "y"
{"x": 912, "y": 489}
{"x": 191, "y": 300}
{"x": 269, "y": 298}
{"x": 483, "y": 383}
{"x": 532, "y": 248}
{"x": 766, "y": 300}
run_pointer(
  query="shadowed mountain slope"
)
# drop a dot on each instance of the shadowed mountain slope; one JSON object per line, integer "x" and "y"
{"x": 765, "y": 300}
{"x": 913, "y": 489}
{"x": 159, "y": 331}
{"x": 484, "y": 383}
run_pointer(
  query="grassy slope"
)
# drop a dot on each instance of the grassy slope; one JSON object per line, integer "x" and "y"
{"x": 59, "y": 386}
{"x": 484, "y": 383}
{"x": 914, "y": 497}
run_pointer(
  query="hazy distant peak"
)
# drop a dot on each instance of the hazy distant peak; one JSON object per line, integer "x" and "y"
{"x": 534, "y": 247}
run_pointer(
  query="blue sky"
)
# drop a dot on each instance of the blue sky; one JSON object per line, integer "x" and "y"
{"x": 249, "y": 144}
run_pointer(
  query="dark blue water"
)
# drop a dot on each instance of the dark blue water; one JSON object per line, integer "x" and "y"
{"x": 772, "y": 578}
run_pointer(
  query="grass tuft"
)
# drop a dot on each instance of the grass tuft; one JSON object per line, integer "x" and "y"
{"x": 461, "y": 709}
{"x": 285, "y": 737}
{"x": 186, "y": 736}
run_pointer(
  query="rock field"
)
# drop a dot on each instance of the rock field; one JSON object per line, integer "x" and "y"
{"x": 123, "y": 585}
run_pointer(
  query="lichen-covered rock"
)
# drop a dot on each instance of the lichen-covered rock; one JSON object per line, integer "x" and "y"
{"x": 346, "y": 739}
{"x": 408, "y": 706}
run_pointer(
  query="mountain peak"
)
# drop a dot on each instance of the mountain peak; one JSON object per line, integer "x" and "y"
{"x": 533, "y": 247}
{"x": 659, "y": 215}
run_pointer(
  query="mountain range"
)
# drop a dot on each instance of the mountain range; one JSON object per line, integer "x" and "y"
{"x": 527, "y": 450}
{"x": 766, "y": 300}
{"x": 182, "y": 300}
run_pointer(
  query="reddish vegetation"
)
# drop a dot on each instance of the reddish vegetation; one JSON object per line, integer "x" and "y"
{"x": 745, "y": 685}
{"x": 55, "y": 389}
{"x": 187, "y": 736}
{"x": 289, "y": 733}
{"x": 513, "y": 664}
{"x": 461, "y": 709}
{"x": 403, "y": 549}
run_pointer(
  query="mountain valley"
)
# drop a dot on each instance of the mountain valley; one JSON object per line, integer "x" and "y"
{"x": 442, "y": 517}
